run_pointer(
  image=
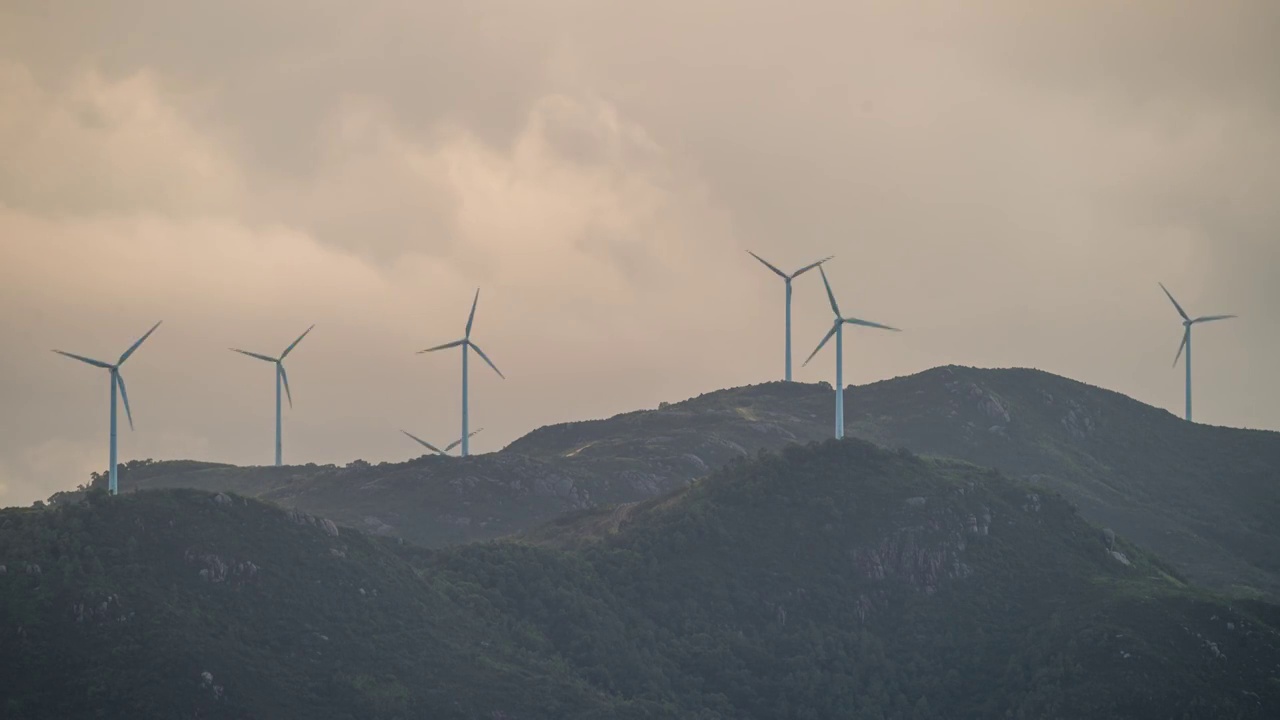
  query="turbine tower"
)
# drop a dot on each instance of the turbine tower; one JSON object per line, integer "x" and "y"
{"x": 837, "y": 329}
{"x": 435, "y": 449}
{"x": 466, "y": 344}
{"x": 282, "y": 378}
{"x": 787, "y": 279}
{"x": 117, "y": 381}
{"x": 1187, "y": 322}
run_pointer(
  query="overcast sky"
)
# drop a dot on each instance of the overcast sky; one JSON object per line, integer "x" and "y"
{"x": 1007, "y": 181}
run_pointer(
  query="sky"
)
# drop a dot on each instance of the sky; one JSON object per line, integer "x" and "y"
{"x": 1006, "y": 181}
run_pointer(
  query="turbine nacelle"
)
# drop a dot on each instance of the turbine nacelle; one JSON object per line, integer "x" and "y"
{"x": 794, "y": 275}
{"x": 116, "y": 378}
{"x": 278, "y": 361}
{"x": 841, "y": 320}
{"x": 117, "y": 383}
{"x": 466, "y": 344}
{"x": 1188, "y": 321}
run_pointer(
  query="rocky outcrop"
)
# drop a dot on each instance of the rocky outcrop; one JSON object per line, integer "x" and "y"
{"x": 1077, "y": 422}
{"x": 207, "y": 684}
{"x": 106, "y": 609}
{"x": 214, "y": 568}
{"x": 327, "y": 526}
{"x": 915, "y": 556}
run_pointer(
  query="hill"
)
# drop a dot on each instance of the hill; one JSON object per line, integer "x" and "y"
{"x": 836, "y": 580}
{"x": 178, "y": 603}
{"x": 1206, "y": 498}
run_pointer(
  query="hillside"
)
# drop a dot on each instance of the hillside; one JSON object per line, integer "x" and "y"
{"x": 178, "y": 603}
{"x": 836, "y": 580}
{"x": 1206, "y": 498}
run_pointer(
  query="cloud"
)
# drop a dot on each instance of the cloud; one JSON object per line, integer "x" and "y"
{"x": 579, "y": 219}
{"x": 96, "y": 146}
{"x": 1006, "y": 181}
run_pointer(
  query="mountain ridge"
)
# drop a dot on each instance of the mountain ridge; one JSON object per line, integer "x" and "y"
{"x": 832, "y": 580}
{"x": 1204, "y": 497}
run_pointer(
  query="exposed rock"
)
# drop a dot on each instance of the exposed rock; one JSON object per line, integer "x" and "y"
{"x": 1109, "y": 537}
{"x": 206, "y": 682}
{"x": 1121, "y": 557}
{"x": 905, "y": 556}
{"x": 916, "y": 501}
{"x": 33, "y": 569}
{"x": 216, "y": 570}
{"x": 221, "y": 499}
{"x": 1213, "y": 648}
{"x": 3, "y": 570}
{"x": 696, "y": 461}
{"x": 330, "y": 528}
{"x": 1033, "y": 503}
{"x": 100, "y": 611}
{"x": 989, "y": 404}
{"x": 1077, "y": 421}
{"x": 377, "y": 526}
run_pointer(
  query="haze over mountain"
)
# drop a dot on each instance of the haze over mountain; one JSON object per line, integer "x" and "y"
{"x": 838, "y": 580}
{"x": 1010, "y": 182}
{"x": 1205, "y": 498}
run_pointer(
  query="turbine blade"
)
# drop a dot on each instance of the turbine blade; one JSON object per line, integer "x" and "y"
{"x": 868, "y": 323}
{"x": 294, "y": 344}
{"x": 445, "y": 346}
{"x": 810, "y": 266}
{"x": 1181, "y": 312}
{"x": 472, "y": 317}
{"x": 285, "y": 377}
{"x": 458, "y": 442}
{"x": 830, "y": 295}
{"x": 253, "y": 354}
{"x": 83, "y": 359}
{"x": 486, "y": 359}
{"x": 424, "y": 443}
{"x": 825, "y": 338}
{"x": 124, "y": 395}
{"x": 134, "y": 346}
{"x": 1211, "y": 318}
{"x": 1186, "y": 336}
{"x": 770, "y": 266}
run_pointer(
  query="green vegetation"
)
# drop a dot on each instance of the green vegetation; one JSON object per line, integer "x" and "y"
{"x": 836, "y": 580}
{"x": 1205, "y": 498}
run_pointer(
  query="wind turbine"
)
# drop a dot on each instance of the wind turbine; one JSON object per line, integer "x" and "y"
{"x": 117, "y": 381}
{"x": 787, "y": 279}
{"x": 282, "y": 378}
{"x": 837, "y": 329}
{"x": 435, "y": 449}
{"x": 466, "y": 344}
{"x": 1187, "y": 322}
